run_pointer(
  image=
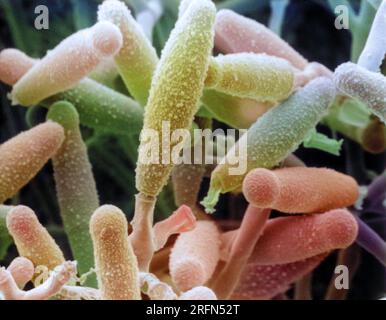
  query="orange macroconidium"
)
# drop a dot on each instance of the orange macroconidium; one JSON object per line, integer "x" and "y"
{"x": 300, "y": 189}
{"x": 23, "y": 156}
{"x": 115, "y": 262}
{"x": 32, "y": 240}
{"x": 195, "y": 255}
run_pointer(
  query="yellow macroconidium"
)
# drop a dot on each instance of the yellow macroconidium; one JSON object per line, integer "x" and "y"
{"x": 32, "y": 240}
{"x": 175, "y": 93}
{"x": 177, "y": 85}
{"x": 254, "y": 76}
{"x": 137, "y": 59}
{"x": 67, "y": 64}
{"x": 23, "y": 156}
{"x": 115, "y": 262}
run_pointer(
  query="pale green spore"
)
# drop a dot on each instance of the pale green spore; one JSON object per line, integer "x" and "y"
{"x": 275, "y": 135}
{"x": 137, "y": 59}
{"x": 75, "y": 186}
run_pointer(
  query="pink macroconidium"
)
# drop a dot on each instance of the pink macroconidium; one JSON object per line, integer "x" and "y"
{"x": 67, "y": 64}
{"x": 32, "y": 240}
{"x": 13, "y": 65}
{"x": 195, "y": 255}
{"x": 22, "y": 271}
{"x": 24, "y": 155}
{"x": 235, "y": 33}
{"x": 265, "y": 282}
{"x": 283, "y": 189}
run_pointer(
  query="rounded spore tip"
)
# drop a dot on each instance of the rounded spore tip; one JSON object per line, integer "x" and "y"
{"x": 22, "y": 270}
{"x": 67, "y": 64}
{"x": 136, "y": 59}
{"x": 32, "y": 240}
{"x": 115, "y": 261}
{"x": 13, "y": 65}
{"x": 106, "y": 38}
{"x": 195, "y": 255}
{"x": 366, "y": 86}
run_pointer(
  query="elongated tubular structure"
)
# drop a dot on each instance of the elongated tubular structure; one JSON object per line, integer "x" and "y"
{"x": 235, "y": 33}
{"x": 22, "y": 271}
{"x": 245, "y": 240}
{"x": 177, "y": 86}
{"x": 286, "y": 126}
{"x": 195, "y": 255}
{"x": 75, "y": 185}
{"x": 32, "y": 239}
{"x": 99, "y": 107}
{"x": 63, "y": 67}
{"x": 284, "y": 189}
{"x": 13, "y": 65}
{"x": 182, "y": 220}
{"x": 289, "y": 239}
{"x": 375, "y": 49}
{"x": 137, "y": 59}
{"x": 115, "y": 262}
{"x": 264, "y": 282}
{"x": 198, "y": 293}
{"x": 187, "y": 180}
{"x": 366, "y": 86}
{"x": 142, "y": 237}
{"x": 369, "y": 240}
{"x": 23, "y": 156}
{"x": 254, "y": 76}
